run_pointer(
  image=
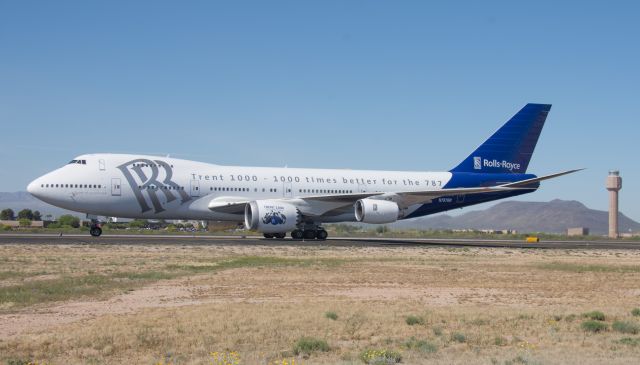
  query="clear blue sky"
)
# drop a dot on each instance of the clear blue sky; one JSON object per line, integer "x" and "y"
{"x": 336, "y": 84}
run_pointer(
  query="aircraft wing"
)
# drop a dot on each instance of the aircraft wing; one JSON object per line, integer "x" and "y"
{"x": 317, "y": 205}
{"x": 228, "y": 204}
{"x": 523, "y": 183}
{"x": 432, "y": 194}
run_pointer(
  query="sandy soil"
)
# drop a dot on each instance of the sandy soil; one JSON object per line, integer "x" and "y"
{"x": 260, "y": 311}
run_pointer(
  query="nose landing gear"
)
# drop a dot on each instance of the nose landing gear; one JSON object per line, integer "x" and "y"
{"x": 95, "y": 230}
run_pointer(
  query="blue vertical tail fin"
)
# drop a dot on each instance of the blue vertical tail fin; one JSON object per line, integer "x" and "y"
{"x": 510, "y": 148}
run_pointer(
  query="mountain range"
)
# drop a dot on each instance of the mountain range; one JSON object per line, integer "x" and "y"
{"x": 552, "y": 217}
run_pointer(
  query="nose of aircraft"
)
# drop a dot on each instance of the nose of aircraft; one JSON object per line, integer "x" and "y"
{"x": 34, "y": 187}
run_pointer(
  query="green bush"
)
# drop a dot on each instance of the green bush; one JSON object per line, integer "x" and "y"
{"x": 626, "y": 327}
{"x": 331, "y": 315}
{"x": 629, "y": 341}
{"x": 138, "y": 223}
{"x": 594, "y": 326}
{"x": 308, "y": 345}
{"x": 413, "y": 320}
{"x": 380, "y": 357}
{"x": 25, "y": 214}
{"x": 24, "y": 222}
{"x": 500, "y": 341}
{"x": 635, "y": 312}
{"x": 459, "y": 337}
{"x": 7, "y": 215}
{"x": 69, "y": 220}
{"x": 594, "y": 315}
{"x": 570, "y": 318}
{"x": 420, "y": 345}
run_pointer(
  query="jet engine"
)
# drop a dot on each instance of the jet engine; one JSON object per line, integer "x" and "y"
{"x": 271, "y": 216}
{"x": 376, "y": 211}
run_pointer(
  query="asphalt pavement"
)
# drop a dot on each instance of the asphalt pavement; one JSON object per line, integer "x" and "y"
{"x": 117, "y": 239}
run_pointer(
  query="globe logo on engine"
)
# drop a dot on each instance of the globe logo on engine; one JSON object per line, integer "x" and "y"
{"x": 274, "y": 218}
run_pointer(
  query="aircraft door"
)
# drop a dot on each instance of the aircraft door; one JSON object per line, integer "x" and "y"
{"x": 195, "y": 188}
{"x": 287, "y": 190}
{"x": 116, "y": 188}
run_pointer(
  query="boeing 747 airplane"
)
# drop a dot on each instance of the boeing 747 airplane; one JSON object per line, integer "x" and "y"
{"x": 275, "y": 201}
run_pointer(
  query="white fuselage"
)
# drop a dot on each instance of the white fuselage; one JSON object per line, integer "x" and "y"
{"x": 135, "y": 186}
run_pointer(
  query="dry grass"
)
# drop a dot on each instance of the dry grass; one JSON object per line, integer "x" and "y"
{"x": 192, "y": 304}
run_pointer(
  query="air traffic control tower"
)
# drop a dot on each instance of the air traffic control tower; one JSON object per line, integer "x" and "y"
{"x": 614, "y": 184}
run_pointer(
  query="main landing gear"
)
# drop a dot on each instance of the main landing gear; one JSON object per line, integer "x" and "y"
{"x": 299, "y": 234}
{"x": 275, "y": 235}
{"x": 309, "y": 234}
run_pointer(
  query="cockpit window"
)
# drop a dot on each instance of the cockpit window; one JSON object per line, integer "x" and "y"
{"x": 81, "y": 162}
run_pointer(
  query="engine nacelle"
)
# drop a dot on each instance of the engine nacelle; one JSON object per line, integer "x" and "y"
{"x": 376, "y": 211}
{"x": 271, "y": 216}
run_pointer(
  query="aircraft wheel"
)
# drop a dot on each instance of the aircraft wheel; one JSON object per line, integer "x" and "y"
{"x": 297, "y": 234}
{"x": 268, "y": 235}
{"x": 321, "y": 234}
{"x": 279, "y": 235}
{"x": 95, "y": 231}
{"x": 309, "y": 234}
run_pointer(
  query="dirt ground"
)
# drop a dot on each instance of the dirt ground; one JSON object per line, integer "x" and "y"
{"x": 179, "y": 304}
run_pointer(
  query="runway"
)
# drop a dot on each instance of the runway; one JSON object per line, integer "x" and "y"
{"x": 109, "y": 239}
